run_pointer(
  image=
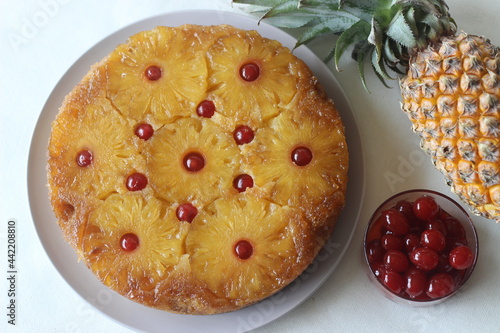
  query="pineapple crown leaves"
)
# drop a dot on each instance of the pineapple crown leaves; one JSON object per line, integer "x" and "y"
{"x": 385, "y": 32}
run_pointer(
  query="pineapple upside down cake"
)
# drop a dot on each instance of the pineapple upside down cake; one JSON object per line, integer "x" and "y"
{"x": 197, "y": 169}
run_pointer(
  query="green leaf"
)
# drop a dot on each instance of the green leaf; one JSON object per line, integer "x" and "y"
{"x": 322, "y": 4}
{"x": 411, "y": 20}
{"x": 285, "y": 8}
{"x": 329, "y": 56}
{"x": 379, "y": 68}
{"x": 367, "y": 5}
{"x": 331, "y": 25}
{"x": 359, "y": 31}
{"x": 290, "y": 22}
{"x": 426, "y": 5}
{"x": 392, "y": 53}
{"x": 262, "y": 3}
{"x": 291, "y": 10}
{"x": 375, "y": 38}
{"x": 361, "y": 51}
{"x": 362, "y": 9}
{"x": 287, "y": 12}
{"x": 322, "y": 8}
{"x": 400, "y": 31}
{"x": 380, "y": 78}
{"x": 433, "y": 22}
{"x": 389, "y": 53}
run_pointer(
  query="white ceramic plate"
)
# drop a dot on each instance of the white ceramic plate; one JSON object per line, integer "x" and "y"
{"x": 141, "y": 318}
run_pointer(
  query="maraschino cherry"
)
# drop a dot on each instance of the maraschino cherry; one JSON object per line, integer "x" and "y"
{"x": 250, "y": 71}
{"x": 193, "y": 162}
{"x": 129, "y": 242}
{"x": 153, "y": 73}
{"x": 243, "y": 249}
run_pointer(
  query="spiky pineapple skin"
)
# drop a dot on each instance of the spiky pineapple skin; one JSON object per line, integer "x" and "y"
{"x": 181, "y": 266}
{"x": 451, "y": 95}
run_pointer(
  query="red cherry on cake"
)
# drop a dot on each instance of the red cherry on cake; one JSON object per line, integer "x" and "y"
{"x": 153, "y": 73}
{"x": 193, "y": 162}
{"x": 243, "y": 249}
{"x": 243, "y": 134}
{"x": 250, "y": 71}
{"x": 129, "y": 242}
{"x": 301, "y": 156}
{"x": 186, "y": 212}
{"x": 144, "y": 131}
{"x": 84, "y": 158}
{"x": 242, "y": 182}
{"x": 205, "y": 109}
{"x": 136, "y": 182}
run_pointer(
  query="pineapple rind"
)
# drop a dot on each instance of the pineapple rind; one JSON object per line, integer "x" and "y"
{"x": 459, "y": 121}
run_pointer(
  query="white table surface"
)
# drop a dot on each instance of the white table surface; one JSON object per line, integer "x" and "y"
{"x": 40, "y": 40}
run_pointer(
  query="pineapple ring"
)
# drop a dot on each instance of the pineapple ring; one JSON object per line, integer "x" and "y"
{"x": 197, "y": 209}
{"x": 280, "y": 73}
{"x": 269, "y": 229}
{"x": 183, "y": 79}
{"x": 169, "y": 177}
{"x": 113, "y": 155}
{"x": 275, "y": 172}
{"x": 160, "y": 242}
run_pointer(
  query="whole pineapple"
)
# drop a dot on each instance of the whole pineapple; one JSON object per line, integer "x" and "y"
{"x": 451, "y": 90}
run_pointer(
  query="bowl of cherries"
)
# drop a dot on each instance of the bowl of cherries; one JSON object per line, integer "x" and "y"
{"x": 421, "y": 247}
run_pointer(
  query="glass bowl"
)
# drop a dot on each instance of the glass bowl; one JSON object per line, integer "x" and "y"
{"x": 455, "y": 236}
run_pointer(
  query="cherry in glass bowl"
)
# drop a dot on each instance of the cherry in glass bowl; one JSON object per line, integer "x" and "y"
{"x": 420, "y": 247}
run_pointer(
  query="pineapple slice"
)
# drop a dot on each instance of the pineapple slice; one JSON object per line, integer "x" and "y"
{"x": 113, "y": 156}
{"x": 268, "y": 233}
{"x": 215, "y": 161}
{"x": 154, "y": 73}
{"x": 274, "y": 81}
{"x": 154, "y": 244}
{"x": 290, "y": 184}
